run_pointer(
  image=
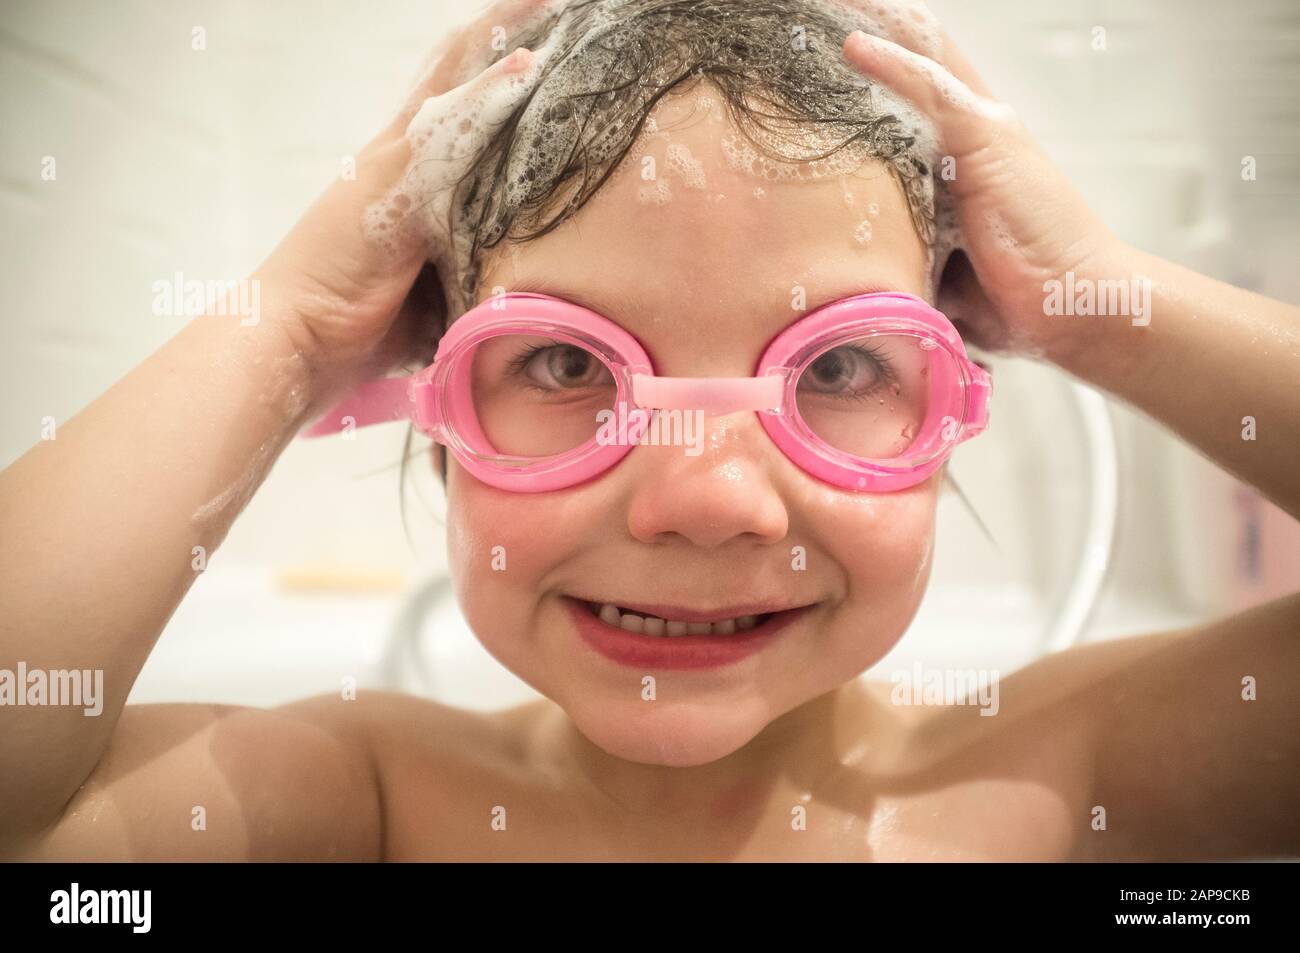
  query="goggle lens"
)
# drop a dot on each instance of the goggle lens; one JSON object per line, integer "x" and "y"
{"x": 873, "y": 397}
{"x": 537, "y": 396}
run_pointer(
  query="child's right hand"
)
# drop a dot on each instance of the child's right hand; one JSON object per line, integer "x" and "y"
{"x": 352, "y": 306}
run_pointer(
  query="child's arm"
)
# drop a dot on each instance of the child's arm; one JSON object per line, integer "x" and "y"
{"x": 102, "y": 522}
{"x": 1217, "y": 365}
{"x": 1194, "y": 736}
{"x": 104, "y": 525}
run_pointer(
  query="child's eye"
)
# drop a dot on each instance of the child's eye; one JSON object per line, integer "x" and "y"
{"x": 561, "y": 367}
{"x": 850, "y": 371}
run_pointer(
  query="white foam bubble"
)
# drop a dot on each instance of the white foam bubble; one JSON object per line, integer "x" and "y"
{"x": 658, "y": 192}
{"x": 999, "y": 230}
{"x": 687, "y": 166}
{"x": 742, "y": 156}
{"x": 448, "y": 132}
{"x": 908, "y": 22}
{"x": 446, "y": 136}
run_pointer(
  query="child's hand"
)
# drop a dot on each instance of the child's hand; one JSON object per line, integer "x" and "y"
{"x": 446, "y": 65}
{"x": 1022, "y": 221}
{"x": 351, "y": 304}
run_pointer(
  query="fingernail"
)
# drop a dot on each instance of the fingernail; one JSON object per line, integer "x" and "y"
{"x": 507, "y": 63}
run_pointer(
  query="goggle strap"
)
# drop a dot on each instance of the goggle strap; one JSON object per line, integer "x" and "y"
{"x": 980, "y": 391}
{"x": 374, "y": 402}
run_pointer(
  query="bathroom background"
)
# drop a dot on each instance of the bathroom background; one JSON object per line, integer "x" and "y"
{"x": 172, "y": 159}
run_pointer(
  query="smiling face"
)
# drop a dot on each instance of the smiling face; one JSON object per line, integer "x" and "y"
{"x": 704, "y": 280}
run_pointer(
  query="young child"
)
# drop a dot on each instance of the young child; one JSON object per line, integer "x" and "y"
{"x": 702, "y": 695}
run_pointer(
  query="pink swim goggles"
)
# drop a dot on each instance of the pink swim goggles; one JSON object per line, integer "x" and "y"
{"x": 529, "y": 393}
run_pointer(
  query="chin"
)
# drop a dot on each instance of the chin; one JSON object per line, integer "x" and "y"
{"x": 673, "y": 734}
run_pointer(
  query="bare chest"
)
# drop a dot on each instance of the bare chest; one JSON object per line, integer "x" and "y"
{"x": 974, "y": 811}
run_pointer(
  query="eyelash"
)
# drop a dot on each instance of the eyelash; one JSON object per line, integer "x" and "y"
{"x": 517, "y": 364}
{"x": 515, "y": 368}
{"x": 520, "y": 361}
{"x": 881, "y": 361}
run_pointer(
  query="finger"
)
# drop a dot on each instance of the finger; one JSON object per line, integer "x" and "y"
{"x": 446, "y": 66}
{"x": 962, "y": 116}
{"x": 388, "y": 161}
{"x": 519, "y": 61}
{"x": 956, "y": 63}
{"x": 912, "y": 25}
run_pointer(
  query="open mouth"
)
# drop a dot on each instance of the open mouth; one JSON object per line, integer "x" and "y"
{"x": 651, "y": 638}
{"x": 644, "y": 623}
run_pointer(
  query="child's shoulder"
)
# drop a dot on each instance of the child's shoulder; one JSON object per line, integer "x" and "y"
{"x": 447, "y": 775}
{"x": 1134, "y": 732}
{"x": 397, "y": 720}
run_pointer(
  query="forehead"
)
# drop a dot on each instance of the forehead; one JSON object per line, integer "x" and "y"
{"x": 688, "y": 234}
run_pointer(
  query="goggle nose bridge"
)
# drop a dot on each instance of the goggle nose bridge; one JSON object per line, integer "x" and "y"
{"x": 712, "y": 395}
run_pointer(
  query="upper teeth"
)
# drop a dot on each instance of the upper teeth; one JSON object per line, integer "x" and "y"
{"x": 653, "y": 625}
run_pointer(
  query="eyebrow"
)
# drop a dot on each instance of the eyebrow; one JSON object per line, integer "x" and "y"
{"x": 619, "y": 304}
{"x": 627, "y": 306}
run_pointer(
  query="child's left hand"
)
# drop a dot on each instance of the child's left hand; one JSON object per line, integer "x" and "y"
{"x": 1022, "y": 220}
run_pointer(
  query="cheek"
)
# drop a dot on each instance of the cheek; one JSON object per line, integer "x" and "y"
{"x": 496, "y": 555}
{"x": 506, "y": 551}
{"x": 881, "y": 546}
{"x": 495, "y": 549}
{"x": 518, "y": 537}
{"x": 877, "y": 538}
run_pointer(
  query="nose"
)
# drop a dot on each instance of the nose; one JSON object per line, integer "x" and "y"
{"x": 724, "y": 492}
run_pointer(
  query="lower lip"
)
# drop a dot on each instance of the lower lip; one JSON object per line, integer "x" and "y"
{"x": 675, "y": 652}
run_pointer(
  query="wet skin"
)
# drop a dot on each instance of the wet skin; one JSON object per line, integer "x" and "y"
{"x": 784, "y": 755}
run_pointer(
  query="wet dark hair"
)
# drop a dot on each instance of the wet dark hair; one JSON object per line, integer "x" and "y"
{"x": 776, "y": 65}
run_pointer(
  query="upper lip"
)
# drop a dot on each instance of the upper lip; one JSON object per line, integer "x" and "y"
{"x": 683, "y": 614}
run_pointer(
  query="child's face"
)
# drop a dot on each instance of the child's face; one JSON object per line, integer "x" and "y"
{"x": 704, "y": 281}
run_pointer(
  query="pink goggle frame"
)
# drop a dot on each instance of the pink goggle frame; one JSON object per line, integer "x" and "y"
{"x": 440, "y": 400}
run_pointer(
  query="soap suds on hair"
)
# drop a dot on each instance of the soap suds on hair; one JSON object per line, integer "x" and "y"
{"x": 586, "y": 47}
{"x": 446, "y": 136}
